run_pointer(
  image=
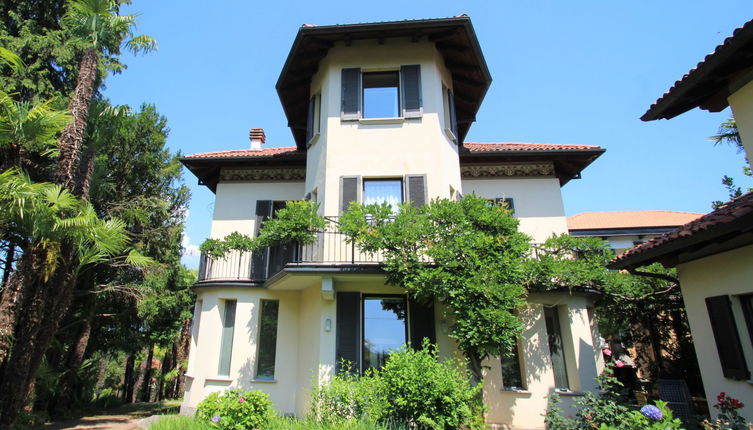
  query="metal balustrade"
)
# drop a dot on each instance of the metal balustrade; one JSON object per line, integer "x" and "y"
{"x": 330, "y": 247}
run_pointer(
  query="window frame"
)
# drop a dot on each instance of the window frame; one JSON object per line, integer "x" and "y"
{"x": 520, "y": 368}
{"x": 450, "y": 125}
{"x": 257, "y": 376}
{"x": 558, "y": 328}
{"x": 226, "y": 339}
{"x": 406, "y": 322}
{"x": 313, "y": 130}
{"x": 394, "y": 179}
{"x": 398, "y": 90}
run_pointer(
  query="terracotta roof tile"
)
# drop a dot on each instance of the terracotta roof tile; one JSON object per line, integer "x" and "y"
{"x": 629, "y": 219}
{"x": 731, "y": 211}
{"x": 243, "y": 153}
{"x": 519, "y": 146}
{"x": 699, "y": 71}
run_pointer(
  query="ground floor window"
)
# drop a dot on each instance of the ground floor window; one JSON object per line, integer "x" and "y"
{"x": 265, "y": 366}
{"x": 226, "y": 340}
{"x": 512, "y": 373}
{"x": 384, "y": 328}
{"x": 556, "y": 347}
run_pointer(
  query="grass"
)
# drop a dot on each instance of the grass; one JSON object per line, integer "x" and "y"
{"x": 175, "y": 422}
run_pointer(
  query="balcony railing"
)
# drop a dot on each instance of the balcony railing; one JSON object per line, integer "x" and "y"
{"x": 330, "y": 247}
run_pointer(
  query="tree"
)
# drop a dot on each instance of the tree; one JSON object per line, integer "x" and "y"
{"x": 99, "y": 23}
{"x": 729, "y": 134}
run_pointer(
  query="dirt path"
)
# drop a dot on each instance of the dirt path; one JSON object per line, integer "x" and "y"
{"x": 122, "y": 418}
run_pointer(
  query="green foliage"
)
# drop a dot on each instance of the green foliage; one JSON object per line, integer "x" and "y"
{"x": 297, "y": 222}
{"x": 424, "y": 392}
{"x": 467, "y": 255}
{"x": 178, "y": 423}
{"x": 414, "y": 389}
{"x": 236, "y": 409}
{"x": 635, "y": 420}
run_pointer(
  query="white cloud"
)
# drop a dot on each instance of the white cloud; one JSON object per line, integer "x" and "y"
{"x": 188, "y": 247}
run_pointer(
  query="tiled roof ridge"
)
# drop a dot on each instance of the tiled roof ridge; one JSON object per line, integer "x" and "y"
{"x": 648, "y": 210}
{"x": 682, "y": 81}
{"x": 244, "y": 152}
{"x": 723, "y": 214}
{"x": 524, "y": 145}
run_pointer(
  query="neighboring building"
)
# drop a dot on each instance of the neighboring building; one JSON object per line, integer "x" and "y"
{"x": 626, "y": 229}
{"x": 379, "y": 113}
{"x": 714, "y": 254}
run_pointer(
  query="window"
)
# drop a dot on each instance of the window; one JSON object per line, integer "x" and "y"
{"x": 226, "y": 341}
{"x": 381, "y": 94}
{"x": 384, "y": 328}
{"x": 512, "y": 375}
{"x": 313, "y": 121}
{"x": 556, "y": 347}
{"x": 265, "y": 366}
{"x": 378, "y": 191}
{"x": 370, "y": 326}
{"x": 726, "y": 336}
{"x": 450, "y": 118}
{"x": 381, "y": 97}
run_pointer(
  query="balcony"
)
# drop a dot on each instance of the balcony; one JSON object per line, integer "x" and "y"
{"x": 329, "y": 248}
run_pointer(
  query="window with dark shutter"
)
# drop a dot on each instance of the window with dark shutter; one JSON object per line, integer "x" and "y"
{"x": 259, "y": 259}
{"x": 410, "y": 86}
{"x": 349, "y": 186}
{"x": 727, "y": 338}
{"x": 416, "y": 189}
{"x": 506, "y": 202}
{"x": 350, "y": 107}
{"x": 348, "y": 333}
{"x": 452, "y": 113}
{"x": 421, "y": 318}
{"x": 310, "y": 119}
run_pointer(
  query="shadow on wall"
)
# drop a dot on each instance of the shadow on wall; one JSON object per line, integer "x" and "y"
{"x": 247, "y": 372}
{"x": 536, "y": 366}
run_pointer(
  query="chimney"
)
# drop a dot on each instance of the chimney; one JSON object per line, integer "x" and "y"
{"x": 257, "y": 138}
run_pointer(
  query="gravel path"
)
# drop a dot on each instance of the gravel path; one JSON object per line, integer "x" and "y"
{"x": 123, "y": 418}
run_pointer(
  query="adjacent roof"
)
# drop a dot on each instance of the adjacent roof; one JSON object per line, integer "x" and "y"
{"x": 629, "y": 219}
{"x": 729, "y": 227}
{"x": 454, "y": 38}
{"x": 707, "y": 85}
{"x": 568, "y": 160}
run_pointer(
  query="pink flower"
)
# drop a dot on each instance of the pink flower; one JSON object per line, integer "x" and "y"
{"x": 241, "y": 400}
{"x": 607, "y": 352}
{"x": 619, "y": 363}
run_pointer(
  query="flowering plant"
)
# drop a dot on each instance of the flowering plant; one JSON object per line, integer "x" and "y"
{"x": 235, "y": 409}
{"x": 729, "y": 417}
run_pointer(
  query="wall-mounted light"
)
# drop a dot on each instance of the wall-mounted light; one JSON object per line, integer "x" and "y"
{"x": 328, "y": 325}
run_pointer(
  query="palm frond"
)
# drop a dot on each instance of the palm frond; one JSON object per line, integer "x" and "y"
{"x": 12, "y": 60}
{"x": 141, "y": 44}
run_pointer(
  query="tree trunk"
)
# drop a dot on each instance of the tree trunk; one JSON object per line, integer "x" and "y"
{"x": 35, "y": 330}
{"x": 85, "y": 171}
{"x": 15, "y": 294}
{"x": 128, "y": 378}
{"x": 73, "y": 135}
{"x": 140, "y": 380}
{"x": 101, "y": 375}
{"x": 148, "y": 373}
{"x": 8, "y": 269}
{"x": 181, "y": 357}
{"x": 75, "y": 358}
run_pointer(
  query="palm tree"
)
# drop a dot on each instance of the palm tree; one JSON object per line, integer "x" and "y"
{"x": 50, "y": 222}
{"x": 106, "y": 31}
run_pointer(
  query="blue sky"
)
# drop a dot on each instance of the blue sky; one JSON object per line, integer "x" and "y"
{"x": 578, "y": 72}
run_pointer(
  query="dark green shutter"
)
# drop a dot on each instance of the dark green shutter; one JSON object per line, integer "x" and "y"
{"x": 259, "y": 259}
{"x": 348, "y": 332}
{"x": 349, "y": 186}
{"x": 310, "y": 119}
{"x": 421, "y": 318}
{"x": 350, "y": 106}
{"x": 416, "y": 189}
{"x": 727, "y": 338}
{"x": 410, "y": 85}
{"x": 453, "y": 114}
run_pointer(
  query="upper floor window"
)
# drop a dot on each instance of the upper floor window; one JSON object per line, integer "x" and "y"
{"x": 378, "y": 191}
{"x": 381, "y": 94}
{"x": 450, "y": 118}
{"x": 313, "y": 122}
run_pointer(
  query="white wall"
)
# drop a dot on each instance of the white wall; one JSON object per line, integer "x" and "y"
{"x": 538, "y": 202}
{"x": 742, "y": 108}
{"x": 235, "y": 204}
{"x": 727, "y": 273}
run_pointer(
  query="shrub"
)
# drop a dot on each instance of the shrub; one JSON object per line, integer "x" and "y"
{"x": 347, "y": 397}
{"x": 235, "y": 409}
{"x": 422, "y": 391}
{"x": 729, "y": 417}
